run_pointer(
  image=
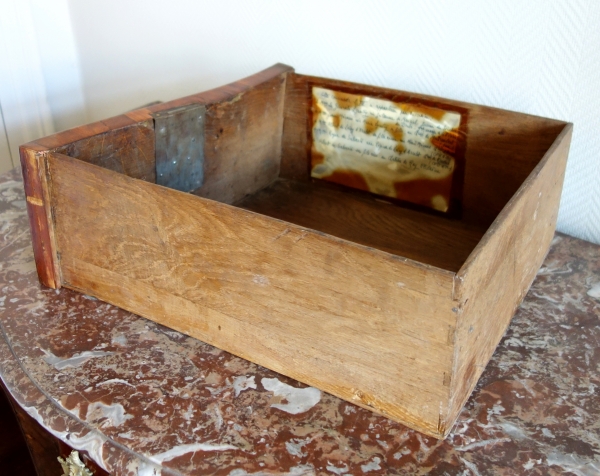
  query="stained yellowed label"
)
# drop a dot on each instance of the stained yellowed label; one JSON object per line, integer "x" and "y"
{"x": 399, "y": 150}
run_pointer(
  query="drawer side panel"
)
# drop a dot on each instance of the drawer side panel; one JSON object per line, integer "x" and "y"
{"x": 361, "y": 324}
{"x": 498, "y": 274}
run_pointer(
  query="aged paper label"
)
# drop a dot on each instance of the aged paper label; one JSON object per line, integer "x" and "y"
{"x": 399, "y": 150}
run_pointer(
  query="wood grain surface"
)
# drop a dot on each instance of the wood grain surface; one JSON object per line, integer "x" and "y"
{"x": 324, "y": 311}
{"x": 128, "y": 150}
{"x": 499, "y": 272}
{"x": 361, "y": 218}
{"x": 242, "y": 149}
{"x": 387, "y": 307}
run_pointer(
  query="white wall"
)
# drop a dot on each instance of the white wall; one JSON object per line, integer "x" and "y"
{"x": 40, "y": 84}
{"x": 536, "y": 56}
{"x": 59, "y": 62}
{"x": 23, "y": 104}
{"x": 5, "y": 155}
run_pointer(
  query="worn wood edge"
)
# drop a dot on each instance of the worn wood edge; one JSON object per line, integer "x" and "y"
{"x": 39, "y": 209}
{"x": 61, "y": 139}
{"x": 208, "y": 321}
{"x": 464, "y": 271}
{"x": 64, "y": 139}
{"x": 459, "y": 297}
{"x": 138, "y": 116}
{"x": 292, "y": 134}
{"x": 227, "y": 92}
{"x": 414, "y": 95}
{"x": 281, "y": 113}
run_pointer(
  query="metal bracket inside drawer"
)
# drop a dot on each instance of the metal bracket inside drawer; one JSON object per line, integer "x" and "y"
{"x": 179, "y": 145}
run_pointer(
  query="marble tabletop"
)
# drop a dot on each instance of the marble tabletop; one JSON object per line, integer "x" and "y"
{"x": 140, "y": 398}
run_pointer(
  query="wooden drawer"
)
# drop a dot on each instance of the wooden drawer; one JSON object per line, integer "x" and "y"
{"x": 389, "y": 293}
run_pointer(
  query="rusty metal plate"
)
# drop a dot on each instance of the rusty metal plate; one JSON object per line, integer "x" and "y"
{"x": 180, "y": 147}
